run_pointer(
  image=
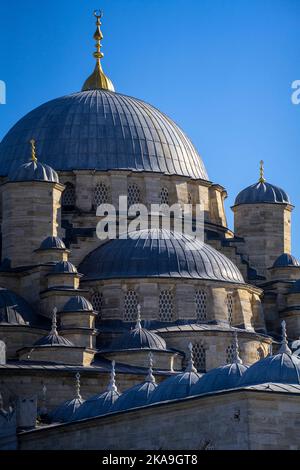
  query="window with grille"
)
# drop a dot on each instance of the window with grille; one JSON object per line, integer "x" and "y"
{"x": 230, "y": 354}
{"x": 164, "y": 196}
{"x": 68, "y": 197}
{"x": 97, "y": 301}
{"x": 130, "y": 306}
{"x": 201, "y": 305}
{"x": 230, "y": 308}
{"x": 134, "y": 195}
{"x": 101, "y": 194}
{"x": 166, "y": 306}
{"x": 199, "y": 355}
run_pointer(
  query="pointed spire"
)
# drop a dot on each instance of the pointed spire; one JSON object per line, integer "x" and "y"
{"x": 236, "y": 357}
{"x": 112, "y": 387}
{"x": 190, "y": 366}
{"x": 33, "y": 151}
{"x": 54, "y": 322}
{"x": 150, "y": 377}
{"x": 262, "y": 178}
{"x": 78, "y": 386}
{"x": 284, "y": 342}
{"x": 138, "y": 324}
{"x": 43, "y": 410}
{"x": 98, "y": 80}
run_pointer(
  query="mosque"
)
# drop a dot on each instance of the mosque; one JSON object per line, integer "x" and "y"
{"x": 139, "y": 342}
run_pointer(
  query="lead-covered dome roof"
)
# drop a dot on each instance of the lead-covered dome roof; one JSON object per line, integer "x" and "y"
{"x": 33, "y": 171}
{"x": 158, "y": 253}
{"x": 16, "y": 311}
{"x": 286, "y": 260}
{"x": 262, "y": 192}
{"x": 102, "y": 130}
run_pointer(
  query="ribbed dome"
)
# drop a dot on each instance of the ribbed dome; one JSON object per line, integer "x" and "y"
{"x": 221, "y": 378}
{"x": 179, "y": 386}
{"x": 281, "y": 368}
{"x": 136, "y": 396}
{"x": 53, "y": 339}
{"x": 97, "y": 405}
{"x": 66, "y": 412}
{"x": 15, "y": 310}
{"x": 52, "y": 243}
{"x": 286, "y": 260}
{"x": 78, "y": 304}
{"x": 262, "y": 193}
{"x": 138, "y": 338}
{"x": 33, "y": 171}
{"x": 158, "y": 253}
{"x": 63, "y": 267}
{"x": 102, "y": 130}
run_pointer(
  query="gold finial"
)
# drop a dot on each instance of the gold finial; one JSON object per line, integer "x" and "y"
{"x": 98, "y": 80}
{"x": 33, "y": 151}
{"x": 262, "y": 178}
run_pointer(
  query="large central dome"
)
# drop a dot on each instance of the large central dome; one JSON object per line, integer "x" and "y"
{"x": 102, "y": 130}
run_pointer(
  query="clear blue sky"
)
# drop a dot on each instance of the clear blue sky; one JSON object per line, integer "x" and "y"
{"x": 222, "y": 69}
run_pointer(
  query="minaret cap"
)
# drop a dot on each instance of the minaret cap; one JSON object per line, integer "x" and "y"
{"x": 98, "y": 80}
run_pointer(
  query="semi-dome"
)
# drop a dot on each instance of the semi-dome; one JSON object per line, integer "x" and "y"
{"x": 15, "y": 310}
{"x": 101, "y": 130}
{"x": 78, "y": 304}
{"x": 158, "y": 253}
{"x": 286, "y": 260}
{"x": 65, "y": 267}
{"x": 262, "y": 192}
{"x": 52, "y": 243}
{"x": 33, "y": 171}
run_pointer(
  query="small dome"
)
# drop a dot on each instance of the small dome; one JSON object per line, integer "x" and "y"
{"x": 221, "y": 378}
{"x": 138, "y": 338}
{"x": 78, "y": 304}
{"x": 65, "y": 267}
{"x": 53, "y": 338}
{"x": 158, "y": 254}
{"x": 66, "y": 412}
{"x": 52, "y": 243}
{"x": 286, "y": 260}
{"x": 262, "y": 193}
{"x": 15, "y": 310}
{"x": 34, "y": 171}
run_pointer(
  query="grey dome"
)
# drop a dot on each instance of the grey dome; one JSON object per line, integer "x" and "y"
{"x": 136, "y": 396}
{"x": 53, "y": 339}
{"x": 97, "y": 405}
{"x": 221, "y": 378}
{"x": 281, "y": 368}
{"x": 33, "y": 171}
{"x": 65, "y": 267}
{"x": 104, "y": 131}
{"x": 158, "y": 253}
{"x": 138, "y": 338}
{"x": 286, "y": 260}
{"x": 78, "y": 304}
{"x": 179, "y": 386}
{"x": 66, "y": 412}
{"x": 262, "y": 193}
{"x": 52, "y": 243}
{"x": 15, "y": 310}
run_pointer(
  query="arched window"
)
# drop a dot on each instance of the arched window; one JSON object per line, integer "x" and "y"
{"x": 201, "y": 305}
{"x": 164, "y": 196}
{"x": 199, "y": 354}
{"x": 68, "y": 197}
{"x": 134, "y": 194}
{"x": 230, "y": 308}
{"x": 130, "y": 306}
{"x": 101, "y": 194}
{"x": 166, "y": 306}
{"x": 97, "y": 302}
{"x": 230, "y": 354}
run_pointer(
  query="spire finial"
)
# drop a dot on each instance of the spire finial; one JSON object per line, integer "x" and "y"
{"x": 112, "y": 387}
{"x": 138, "y": 318}
{"x": 78, "y": 386}
{"x": 150, "y": 377}
{"x": 236, "y": 358}
{"x": 98, "y": 80}
{"x": 54, "y": 322}
{"x": 33, "y": 151}
{"x": 262, "y": 178}
{"x": 190, "y": 366}
{"x": 284, "y": 342}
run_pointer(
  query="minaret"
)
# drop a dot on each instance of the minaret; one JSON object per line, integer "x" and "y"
{"x": 30, "y": 208}
{"x": 98, "y": 80}
{"x": 262, "y": 216}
